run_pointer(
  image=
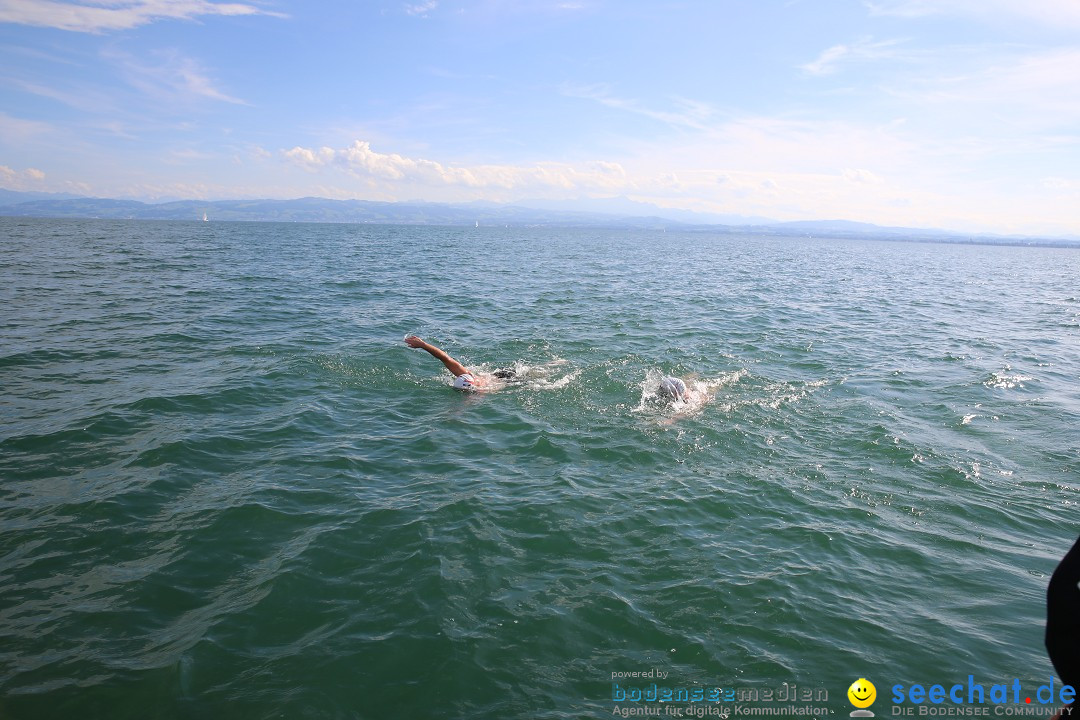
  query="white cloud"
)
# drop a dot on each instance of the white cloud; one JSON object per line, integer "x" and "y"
{"x": 1062, "y": 185}
{"x": 19, "y": 129}
{"x": 905, "y": 8}
{"x": 79, "y": 188}
{"x": 1021, "y": 96}
{"x": 87, "y": 100}
{"x": 28, "y": 179}
{"x": 826, "y": 62}
{"x": 94, "y": 17}
{"x": 421, "y": 9}
{"x": 860, "y": 177}
{"x": 690, "y": 114}
{"x": 1055, "y": 13}
{"x": 360, "y": 161}
{"x": 173, "y": 78}
{"x": 188, "y": 155}
{"x": 787, "y": 169}
{"x": 861, "y": 51}
{"x": 310, "y": 159}
{"x": 804, "y": 146}
{"x": 776, "y": 168}
{"x": 932, "y": 157}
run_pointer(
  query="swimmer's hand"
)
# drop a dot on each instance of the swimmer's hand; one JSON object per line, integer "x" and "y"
{"x": 415, "y": 342}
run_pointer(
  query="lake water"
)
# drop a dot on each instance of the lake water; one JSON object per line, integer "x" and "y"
{"x": 230, "y": 490}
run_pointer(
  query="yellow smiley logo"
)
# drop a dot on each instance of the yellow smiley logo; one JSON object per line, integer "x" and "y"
{"x": 862, "y": 693}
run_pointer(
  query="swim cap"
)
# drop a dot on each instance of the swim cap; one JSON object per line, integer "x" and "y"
{"x": 674, "y": 387}
{"x": 465, "y": 382}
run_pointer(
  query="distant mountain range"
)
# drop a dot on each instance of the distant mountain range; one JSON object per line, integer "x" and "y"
{"x": 12, "y": 197}
{"x": 318, "y": 210}
{"x": 609, "y": 212}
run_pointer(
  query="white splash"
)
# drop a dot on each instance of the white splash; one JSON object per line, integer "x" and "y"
{"x": 1004, "y": 381}
{"x": 538, "y": 376}
{"x": 699, "y": 393}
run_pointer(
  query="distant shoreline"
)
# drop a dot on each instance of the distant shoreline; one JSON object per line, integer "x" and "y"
{"x": 362, "y": 212}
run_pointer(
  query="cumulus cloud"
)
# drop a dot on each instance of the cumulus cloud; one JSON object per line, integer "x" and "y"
{"x": 28, "y": 179}
{"x": 362, "y": 162}
{"x": 310, "y": 159}
{"x": 95, "y": 17}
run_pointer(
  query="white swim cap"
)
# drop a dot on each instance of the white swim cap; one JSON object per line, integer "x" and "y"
{"x": 674, "y": 387}
{"x": 465, "y": 382}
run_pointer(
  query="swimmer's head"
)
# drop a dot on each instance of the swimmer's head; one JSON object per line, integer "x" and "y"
{"x": 674, "y": 388}
{"x": 465, "y": 382}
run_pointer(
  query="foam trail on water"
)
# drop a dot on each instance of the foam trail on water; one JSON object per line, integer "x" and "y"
{"x": 533, "y": 376}
{"x": 699, "y": 393}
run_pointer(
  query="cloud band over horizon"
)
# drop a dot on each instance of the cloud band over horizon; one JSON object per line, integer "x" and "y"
{"x": 956, "y": 114}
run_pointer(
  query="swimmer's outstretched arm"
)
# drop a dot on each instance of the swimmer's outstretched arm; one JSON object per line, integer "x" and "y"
{"x": 451, "y": 364}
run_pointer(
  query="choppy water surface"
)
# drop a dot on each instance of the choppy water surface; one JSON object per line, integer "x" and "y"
{"x": 230, "y": 490}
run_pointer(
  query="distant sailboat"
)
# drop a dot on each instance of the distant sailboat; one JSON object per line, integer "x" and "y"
{"x": 477, "y": 223}
{"x": 204, "y": 218}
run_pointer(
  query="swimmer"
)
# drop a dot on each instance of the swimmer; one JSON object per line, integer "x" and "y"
{"x": 464, "y": 379}
{"x": 674, "y": 388}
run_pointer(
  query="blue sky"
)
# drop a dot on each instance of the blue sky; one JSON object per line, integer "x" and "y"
{"x": 960, "y": 114}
